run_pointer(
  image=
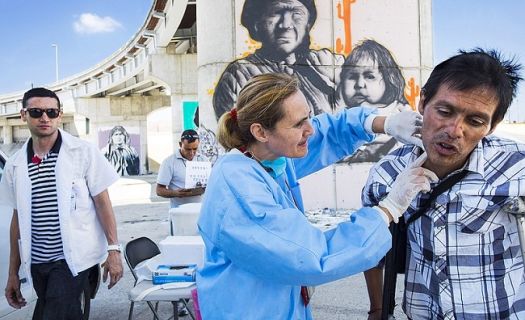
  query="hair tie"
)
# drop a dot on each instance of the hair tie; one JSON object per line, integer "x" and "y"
{"x": 233, "y": 114}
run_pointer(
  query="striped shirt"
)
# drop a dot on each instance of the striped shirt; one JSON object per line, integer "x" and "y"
{"x": 463, "y": 255}
{"x": 46, "y": 239}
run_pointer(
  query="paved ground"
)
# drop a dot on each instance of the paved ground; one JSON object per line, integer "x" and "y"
{"x": 140, "y": 215}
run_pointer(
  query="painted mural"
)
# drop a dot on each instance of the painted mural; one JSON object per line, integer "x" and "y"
{"x": 283, "y": 30}
{"x": 120, "y": 148}
{"x": 190, "y": 115}
{"x": 371, "y": 77}
{"x": 209, "y": 146}
{"x": 331, "y": 77}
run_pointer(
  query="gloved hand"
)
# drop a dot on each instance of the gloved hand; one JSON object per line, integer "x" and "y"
{"x": 408, "y": 184}
{"x": 401, "y": 106}
{"x": 405, "y": 126}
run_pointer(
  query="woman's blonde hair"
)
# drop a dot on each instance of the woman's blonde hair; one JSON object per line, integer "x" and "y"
{"x": 260, "y": 102}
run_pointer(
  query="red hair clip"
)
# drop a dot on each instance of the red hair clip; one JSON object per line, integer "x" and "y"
{"x": 233, "y": 114}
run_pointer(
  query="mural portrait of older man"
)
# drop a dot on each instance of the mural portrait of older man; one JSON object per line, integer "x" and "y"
{"x": 283, "y": 29}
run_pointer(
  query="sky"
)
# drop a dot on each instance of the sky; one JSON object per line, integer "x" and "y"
{"x": 86, "y": 33}
{"x": 89, "y": 31}
{"x": 465, "y": 24}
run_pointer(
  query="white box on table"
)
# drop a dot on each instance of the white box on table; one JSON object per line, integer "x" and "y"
{"x": 184, "y": 218}
{"x": 182, "y": 250}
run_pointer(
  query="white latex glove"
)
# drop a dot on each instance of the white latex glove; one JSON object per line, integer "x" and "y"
{"x": 401, "y": 107}
{"x": 405, "y": 126}
{"x": 408, "y": 184}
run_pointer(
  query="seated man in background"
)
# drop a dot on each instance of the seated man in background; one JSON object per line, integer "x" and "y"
{"x": 171, "y": 179}
{"x": 463, "y": 253}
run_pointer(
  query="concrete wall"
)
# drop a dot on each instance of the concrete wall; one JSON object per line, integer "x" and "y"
{"x": 154, "y": 120}
{"x": 108, "y": 112}
{"x": 179, "y": 72}
{"x": 161, "y": 136}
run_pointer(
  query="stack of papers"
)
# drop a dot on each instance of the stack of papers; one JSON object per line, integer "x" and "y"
{"x": 197, "y": 174}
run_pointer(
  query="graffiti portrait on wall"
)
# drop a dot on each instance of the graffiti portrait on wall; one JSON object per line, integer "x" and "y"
{"x": 120, "y": 152}
{"x": 371, "y": 77}
{"x": 209, "y": 147}
{"x": 283, "y": 30}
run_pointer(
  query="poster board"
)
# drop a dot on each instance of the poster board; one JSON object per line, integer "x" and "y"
{"x": 197, "y": 172}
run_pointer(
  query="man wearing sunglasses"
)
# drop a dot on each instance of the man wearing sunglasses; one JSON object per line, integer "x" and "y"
{"x": 63, "y": 221}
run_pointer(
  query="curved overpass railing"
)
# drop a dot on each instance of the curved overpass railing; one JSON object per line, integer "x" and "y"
{"x": 123, "y": 71}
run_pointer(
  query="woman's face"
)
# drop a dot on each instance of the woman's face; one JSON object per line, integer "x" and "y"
{"x": 118, "y": 138}
{"x": 363, "y": 83}
{"x": 290, "y": 135}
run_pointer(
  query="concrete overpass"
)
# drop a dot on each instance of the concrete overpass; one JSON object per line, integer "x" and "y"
{"x": 156, "y": 69}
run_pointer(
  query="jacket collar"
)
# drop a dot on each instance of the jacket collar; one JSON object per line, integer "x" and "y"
{"x": 68, "y": 142}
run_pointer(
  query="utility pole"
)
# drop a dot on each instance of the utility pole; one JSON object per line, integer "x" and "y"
{"x": 56, "y": 61}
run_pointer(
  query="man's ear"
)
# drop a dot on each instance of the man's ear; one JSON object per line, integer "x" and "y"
{"x": 23, "y": 115}
{"x": 259, "y": 132}
{"x": 493, "y": 127}
{"x": 421, "y": 104}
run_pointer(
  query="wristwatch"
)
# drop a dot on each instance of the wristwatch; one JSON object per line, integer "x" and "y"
{"x": 114, "y": 247}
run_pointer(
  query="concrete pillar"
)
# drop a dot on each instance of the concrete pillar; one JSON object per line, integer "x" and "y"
{"x": 7, "y": 133}
{"x": 216, "y": 47}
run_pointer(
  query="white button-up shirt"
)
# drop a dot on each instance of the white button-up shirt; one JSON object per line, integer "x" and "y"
{"x": 82, "y": 172}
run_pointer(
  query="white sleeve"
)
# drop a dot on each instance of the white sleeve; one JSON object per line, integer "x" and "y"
{"x": 100, "y": 174}
{"x": 7, "y": 188}
{"x": 368, "y": 123}
{"x": 165, "y": 173}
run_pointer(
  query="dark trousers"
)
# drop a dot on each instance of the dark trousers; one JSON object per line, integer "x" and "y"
{"x": 58, "y": 291}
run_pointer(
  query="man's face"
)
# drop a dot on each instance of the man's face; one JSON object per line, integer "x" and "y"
{"x": 284, "y": 25}
{"x": 43, "y": 126}
{"x": 188, "y": 149}
{"x": 453, "y": 124}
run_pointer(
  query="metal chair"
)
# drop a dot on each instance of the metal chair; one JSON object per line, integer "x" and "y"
{"x": 135, "y": 252}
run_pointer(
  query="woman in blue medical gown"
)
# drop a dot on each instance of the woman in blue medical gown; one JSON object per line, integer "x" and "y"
{"x": 261, "y": 251}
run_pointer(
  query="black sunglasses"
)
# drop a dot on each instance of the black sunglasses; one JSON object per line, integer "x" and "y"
{"x": 190, "y": 137}
{"x": 37, "y": 113}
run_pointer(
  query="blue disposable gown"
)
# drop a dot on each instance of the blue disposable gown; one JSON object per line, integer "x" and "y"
{"x": 260, "y": 248}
